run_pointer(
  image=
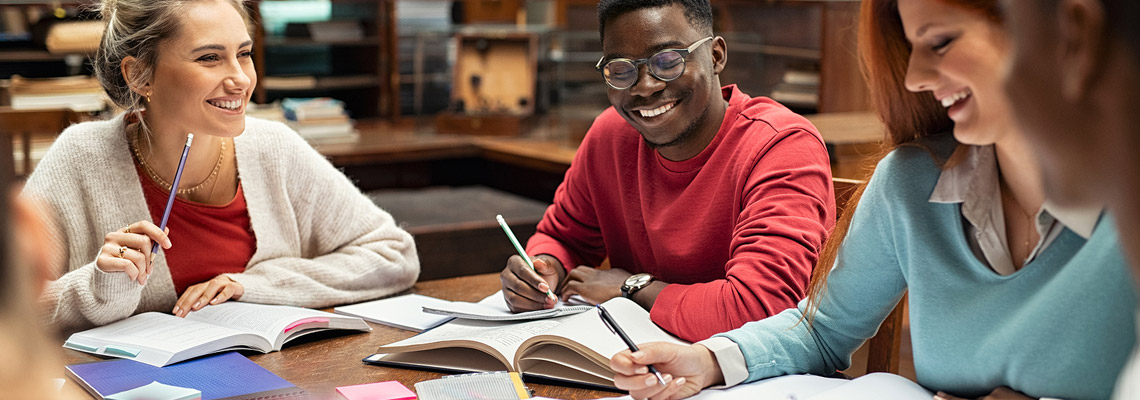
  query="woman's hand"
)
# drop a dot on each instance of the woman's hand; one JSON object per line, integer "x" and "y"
{"x": 128, "y": 250}
{"x": 686, "y": 370}
{"x": 1001, "y": 393}
{"x": 213, "y": 291}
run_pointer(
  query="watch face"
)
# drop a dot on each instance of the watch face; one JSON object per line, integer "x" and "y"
{"x": 638, "y": 280}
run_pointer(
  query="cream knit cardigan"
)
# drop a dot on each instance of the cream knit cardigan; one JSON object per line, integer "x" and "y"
{"x": 320, "y": 242}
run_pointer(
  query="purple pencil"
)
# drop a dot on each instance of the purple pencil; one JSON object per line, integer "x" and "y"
{"x": 173, "y": 190}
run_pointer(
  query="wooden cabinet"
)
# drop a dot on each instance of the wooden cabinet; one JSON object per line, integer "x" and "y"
{"x": 795, "y": 50}
{"x": 356, "y": 65}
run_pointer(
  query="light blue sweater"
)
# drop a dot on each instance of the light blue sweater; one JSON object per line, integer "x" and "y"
{"x": 1062, "y": 326}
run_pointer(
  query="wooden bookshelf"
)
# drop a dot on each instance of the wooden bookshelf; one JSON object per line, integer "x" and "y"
{"x": 361, "y": 72}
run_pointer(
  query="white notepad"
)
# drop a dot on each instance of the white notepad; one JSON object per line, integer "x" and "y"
{"x": 404, "y": 312}
{"x": 494, "y": 308}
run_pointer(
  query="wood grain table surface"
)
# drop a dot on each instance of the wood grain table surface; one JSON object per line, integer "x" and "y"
{"x": 327, "y": 360}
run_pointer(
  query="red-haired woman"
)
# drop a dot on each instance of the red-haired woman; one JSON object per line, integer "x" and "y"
{"x": 1000, "y": 280}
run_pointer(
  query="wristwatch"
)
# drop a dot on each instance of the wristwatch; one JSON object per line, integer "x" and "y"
{"x": 635, "y": 283}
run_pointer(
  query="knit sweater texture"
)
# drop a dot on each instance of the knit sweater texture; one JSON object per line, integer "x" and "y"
{"x": 320, "y": 241}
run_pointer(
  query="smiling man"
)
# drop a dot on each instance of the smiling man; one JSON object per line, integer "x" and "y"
{"x": 710, "y": 205}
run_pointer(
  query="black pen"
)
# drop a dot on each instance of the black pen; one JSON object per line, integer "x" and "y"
{"x": 610, "y": 323}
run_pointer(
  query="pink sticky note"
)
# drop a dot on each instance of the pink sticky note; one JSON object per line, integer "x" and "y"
{"x": 305, "y": 321}
{"x": 390, "y": 390}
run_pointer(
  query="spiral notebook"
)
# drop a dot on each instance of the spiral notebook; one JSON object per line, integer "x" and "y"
{"x": 226, "y": 376}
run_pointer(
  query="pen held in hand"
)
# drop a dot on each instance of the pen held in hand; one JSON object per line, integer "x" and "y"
{"x": 612, "y": 324}
{"x": 519, "y": 248}
{"x": 173, "y": 191}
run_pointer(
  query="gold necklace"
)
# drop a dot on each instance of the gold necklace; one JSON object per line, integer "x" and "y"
{"x": 162, "y": 182}
{"x": 1029, "y": 218}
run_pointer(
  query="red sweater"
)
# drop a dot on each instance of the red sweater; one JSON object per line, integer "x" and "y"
{"x": 735, "y": 230}
{"x": 207, "y": 240}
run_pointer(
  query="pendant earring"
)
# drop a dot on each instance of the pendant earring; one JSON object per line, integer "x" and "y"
{"x": 148, "y": 97}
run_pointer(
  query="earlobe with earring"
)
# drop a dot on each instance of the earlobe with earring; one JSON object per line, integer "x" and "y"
{"x": 148, "y": 97}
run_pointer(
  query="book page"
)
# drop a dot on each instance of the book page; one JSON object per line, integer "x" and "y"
{"x": 588, "y": 330}
{"x": 267, "y": 321}
{"x": 500, "y": 339}
{"x": 580, "y": 348}
{"x": 876, "y": 386}
{"x": 800, "y": 387}
{"x": 161, "y": 333}
{"x": 494, "y": 308}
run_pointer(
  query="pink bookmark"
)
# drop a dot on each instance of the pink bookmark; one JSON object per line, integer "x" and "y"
{"x": 389, "y": 390}
{"x": 305, "y": 321}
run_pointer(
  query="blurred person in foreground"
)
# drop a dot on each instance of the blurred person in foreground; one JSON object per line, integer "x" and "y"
{"x": 1074, "y": 78}
{"x": 31, "y": 361}
{"x": 1007, "y": 291}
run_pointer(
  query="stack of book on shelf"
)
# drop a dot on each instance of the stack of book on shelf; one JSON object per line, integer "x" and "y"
{"x": 269, "y": 112}
{"x": 78, "y": 93}
{"x": 799, "y": 88}
{"x": 320, "y": 118}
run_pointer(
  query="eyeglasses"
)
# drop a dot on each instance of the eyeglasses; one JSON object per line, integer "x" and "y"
{"x": 666, "y": 65}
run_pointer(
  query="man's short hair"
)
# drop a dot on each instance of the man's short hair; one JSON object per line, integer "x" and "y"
{"x": 699, "y": 12}
{"x": 1122, "y": 17}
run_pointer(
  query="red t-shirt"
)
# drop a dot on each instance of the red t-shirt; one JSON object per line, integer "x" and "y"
{"x": 207, "y": 240}
{"x": 735, "y": 229}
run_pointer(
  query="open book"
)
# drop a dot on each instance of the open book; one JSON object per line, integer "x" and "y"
{"x": 162, "y": 339}
{"x": 575, "y": 348}
{"x": 874, "y": 386}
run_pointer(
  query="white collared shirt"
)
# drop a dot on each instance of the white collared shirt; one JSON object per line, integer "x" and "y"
{"x": 974, "y": 183}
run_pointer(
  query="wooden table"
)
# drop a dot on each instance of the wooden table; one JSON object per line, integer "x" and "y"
{"x": 852, "y": 139}
{"x": 331, "y": 360}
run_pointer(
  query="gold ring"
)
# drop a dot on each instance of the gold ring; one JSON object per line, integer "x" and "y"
{"x": 127, "y": 229}
{"x": 121, "y": 250}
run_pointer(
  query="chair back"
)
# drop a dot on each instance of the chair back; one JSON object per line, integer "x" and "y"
{"x": 22, "y": 125}
{"x": 884, "y": 347}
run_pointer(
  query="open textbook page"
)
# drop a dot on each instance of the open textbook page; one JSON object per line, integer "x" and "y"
{"x": 161, "y": 339}
{"x": 875, "y": 386}
{"x": 572, "y": 348}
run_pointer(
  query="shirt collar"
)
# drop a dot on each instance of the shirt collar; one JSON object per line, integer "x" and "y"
{"x": 1080, "y": 220}
{"x": 974, "y": 183}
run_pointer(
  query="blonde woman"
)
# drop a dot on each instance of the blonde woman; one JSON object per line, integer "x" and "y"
{"x": 259, "y": 216}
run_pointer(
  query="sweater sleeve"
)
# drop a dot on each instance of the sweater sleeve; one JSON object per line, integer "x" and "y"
{"x": 351, "y": 250}
{"x": 788, "y": 210}
{"x": 81, "y": 295}
{"x": 862, "y": 288}
{"x": 569, "y": 230}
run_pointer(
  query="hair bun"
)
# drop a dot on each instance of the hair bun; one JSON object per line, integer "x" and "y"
{"x": 107, "y": 8}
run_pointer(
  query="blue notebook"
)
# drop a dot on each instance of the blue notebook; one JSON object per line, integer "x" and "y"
{"x": 222, "y": 376}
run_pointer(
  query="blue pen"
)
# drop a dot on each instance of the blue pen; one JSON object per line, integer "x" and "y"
{"x": 173, "y": 191}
